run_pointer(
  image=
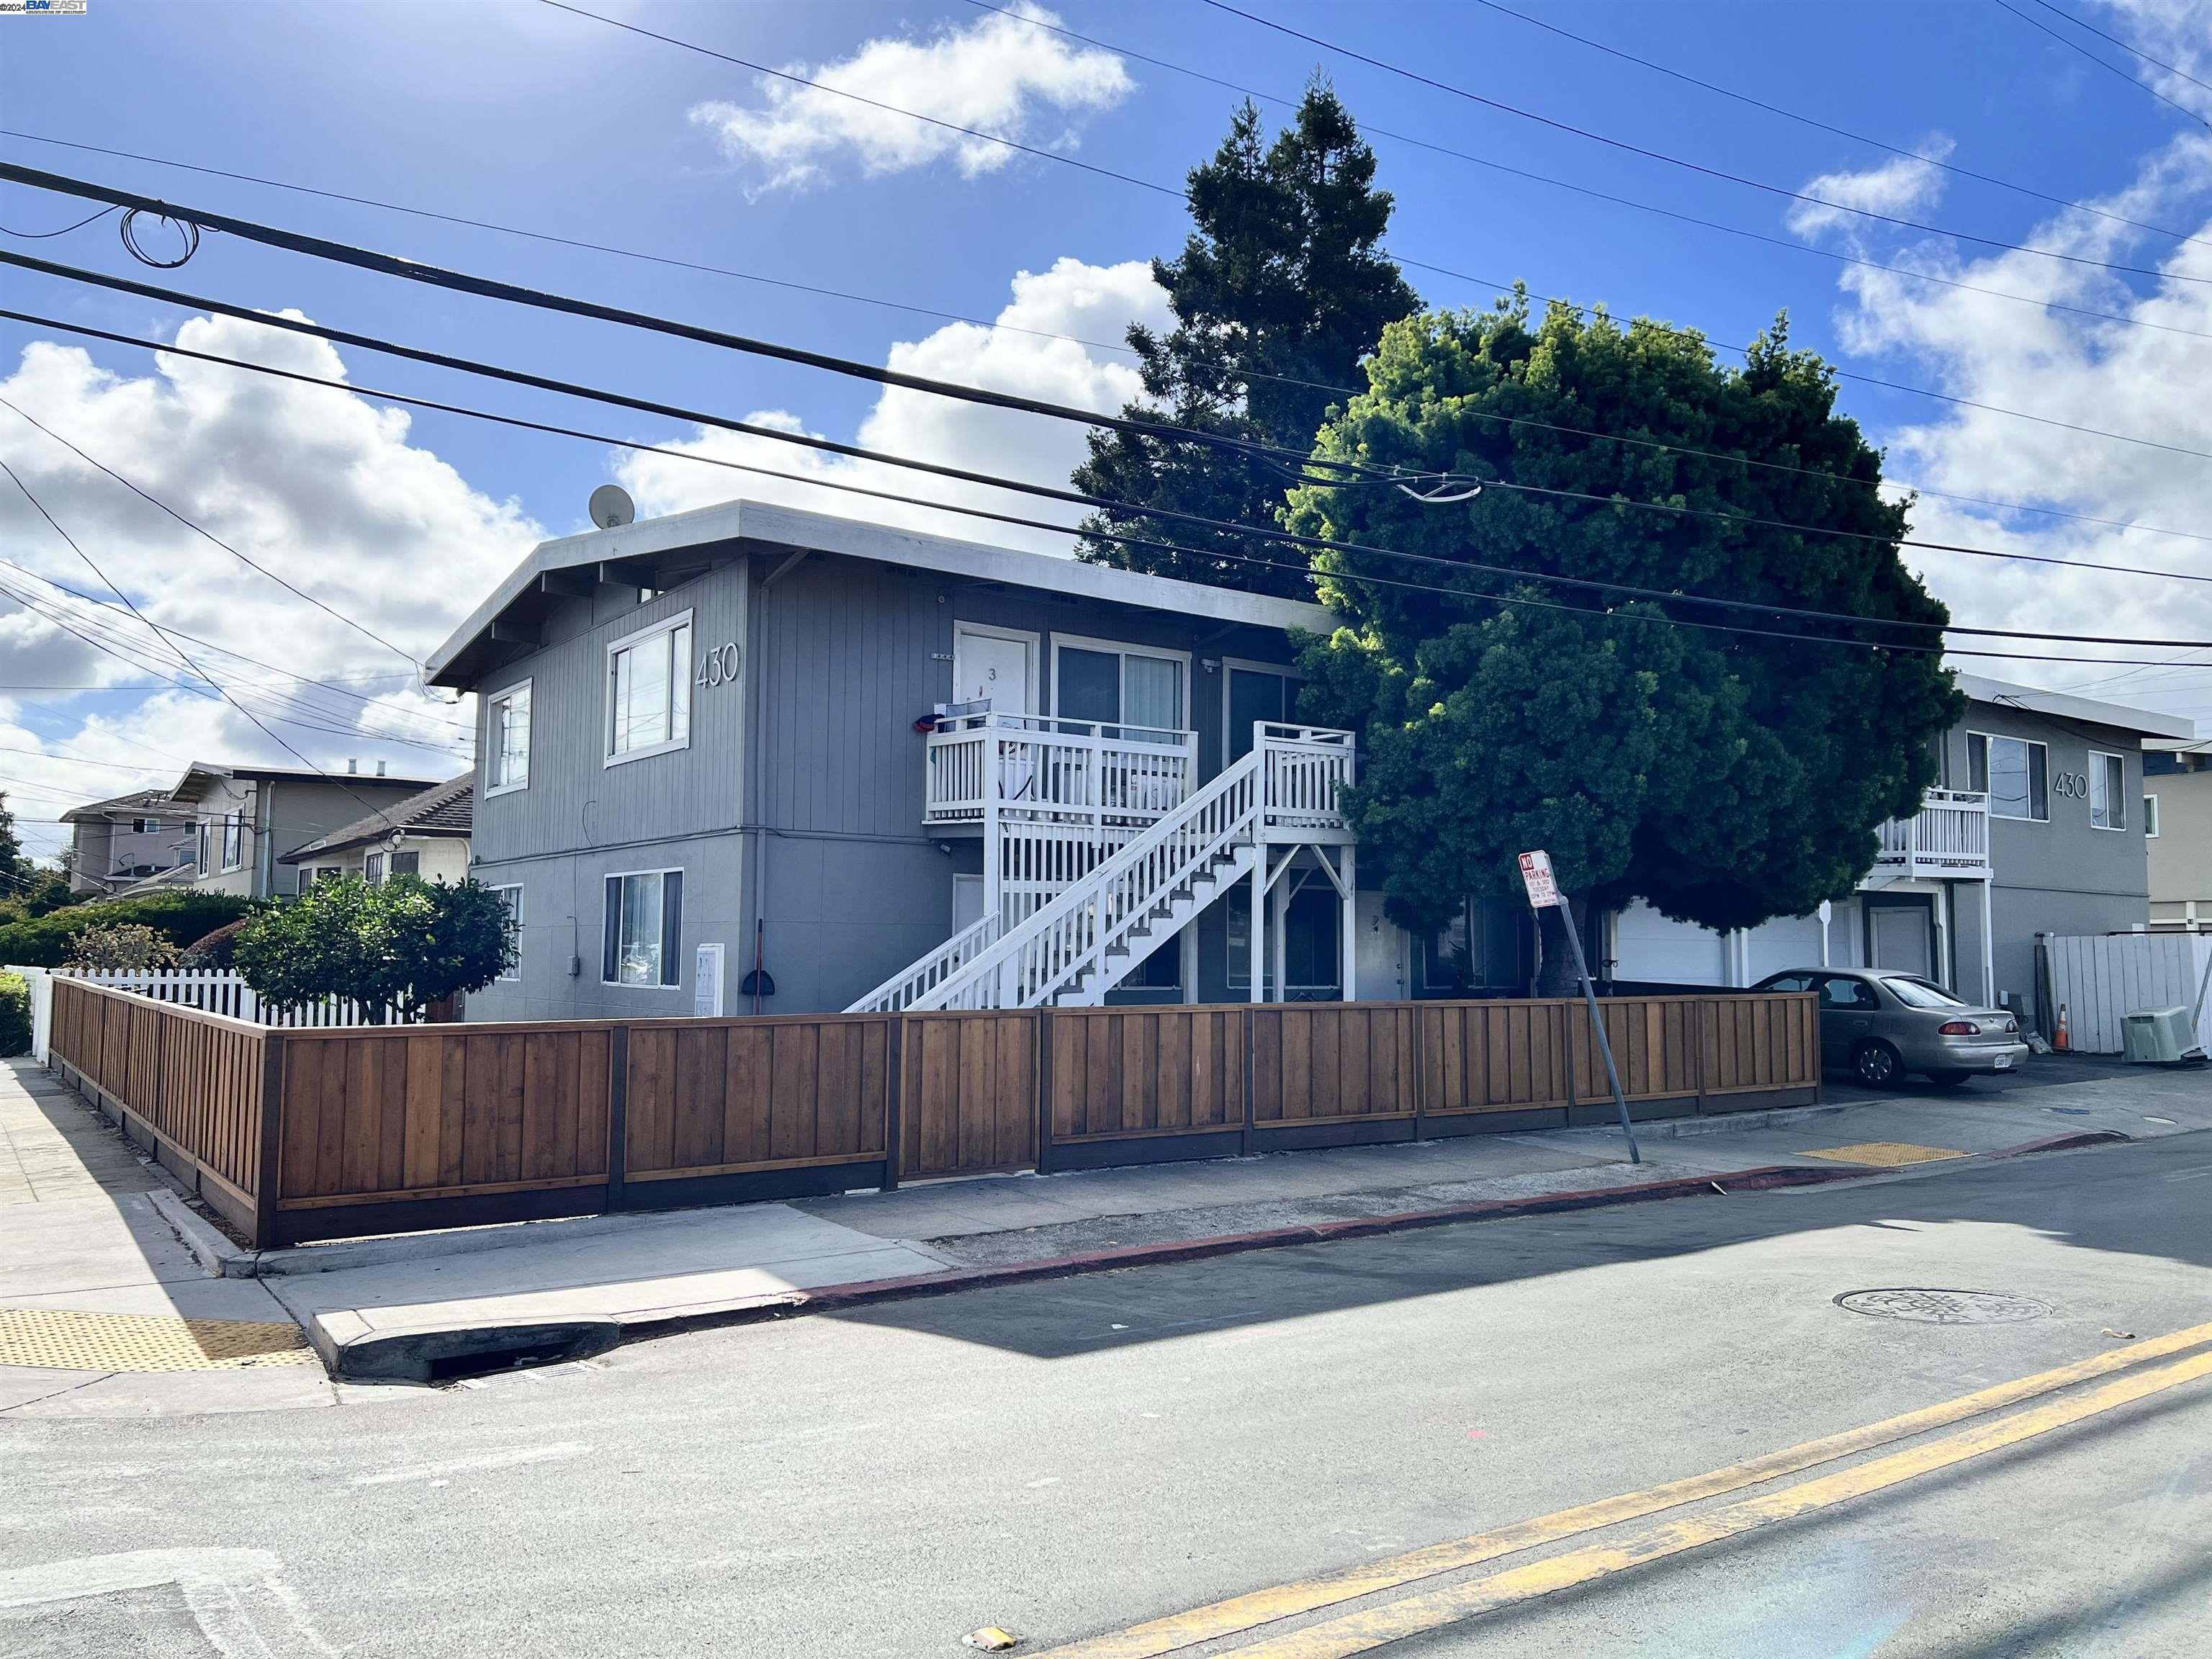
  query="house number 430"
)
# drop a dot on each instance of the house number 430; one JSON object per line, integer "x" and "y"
{"x": 717, "y": 665}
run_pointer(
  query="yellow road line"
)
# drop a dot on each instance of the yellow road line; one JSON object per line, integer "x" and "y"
{"x": 1243, "y": 1613}
{"x": 1375, "y": 1627}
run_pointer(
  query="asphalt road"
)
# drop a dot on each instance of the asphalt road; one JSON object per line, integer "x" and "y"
{"x": 1068, "y": 1459}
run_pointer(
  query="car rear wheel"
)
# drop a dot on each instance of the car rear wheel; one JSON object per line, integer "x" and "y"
{"x": 1875, "y": 1064}
{"x": 1949, "y": 1079}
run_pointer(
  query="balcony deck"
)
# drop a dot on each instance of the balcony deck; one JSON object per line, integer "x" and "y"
{"x": 1947, "y": 840}
{"x": 1047, "y": 770}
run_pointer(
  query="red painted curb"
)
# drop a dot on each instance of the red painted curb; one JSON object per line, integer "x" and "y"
{"x": 875, "y": 1291}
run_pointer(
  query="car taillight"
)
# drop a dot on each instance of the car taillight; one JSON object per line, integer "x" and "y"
{"x": 2012, "y": 1025}
{"x": 1959, "y": 1028}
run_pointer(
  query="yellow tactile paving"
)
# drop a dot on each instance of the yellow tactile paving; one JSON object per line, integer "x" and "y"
{"x": 61, "y": 1339}
{"x": 1883, "y": 1153}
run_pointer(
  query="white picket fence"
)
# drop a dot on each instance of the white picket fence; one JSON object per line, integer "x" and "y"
{"x": 2101, "y": 978}
{"x": 220, "y": 991}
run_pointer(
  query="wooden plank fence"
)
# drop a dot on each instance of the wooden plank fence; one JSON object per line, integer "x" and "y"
{"x": 317, "y": 1133}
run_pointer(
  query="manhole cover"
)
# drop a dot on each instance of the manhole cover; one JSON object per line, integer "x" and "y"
{"x": 1931, "y": 1307}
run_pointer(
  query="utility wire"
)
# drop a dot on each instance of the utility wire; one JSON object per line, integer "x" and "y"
{"x": 1815, "y": 122}
{"x": 777, "y": 434}
{"x": 1411, "y": 264}
{"x": 2132, "y": 50}
{"x": 1828, "y": 254}
{"x": 1247, "y": 375}
{"x": 42, "y": 235}
{"x": 1626, "y": 147}
{"x": 488, "y": 287}
{"x": 2106, "y": 63}
{"x": 208, "y": 535}
{"x": 988, "y": 515}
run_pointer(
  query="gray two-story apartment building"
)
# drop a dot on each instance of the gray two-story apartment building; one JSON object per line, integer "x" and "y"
{"x": 126, "y": 839}
{"x": 751, "y": 758}
{"x": 241, "y": 819}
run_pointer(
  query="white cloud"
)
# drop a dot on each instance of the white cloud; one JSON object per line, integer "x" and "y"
{"x": 321, "y": 486}
{"x": 1900, "y": 187}
{"x": 998, "y": 75}
{"x": 2144, "y": 381}
{"x": 1093, "y": 302}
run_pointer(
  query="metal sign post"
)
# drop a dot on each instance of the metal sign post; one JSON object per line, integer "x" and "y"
{"x": 1544, "y": 894}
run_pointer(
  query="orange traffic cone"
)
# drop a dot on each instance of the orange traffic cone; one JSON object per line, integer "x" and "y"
{"x": 2062, "y": 1039}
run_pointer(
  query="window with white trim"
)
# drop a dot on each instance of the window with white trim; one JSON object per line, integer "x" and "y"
{"x": 372, "y": 869}
{"x": 145, "y": 826}
{"x": 204, "y": 855}
{"x": 649, "y": 691}
{"x": 407, "y": 864}
{"x": 2108, "y": 791}
{"x": 2012, "y": 772}
{"x": 512, "y": 898}
{"x": 2150, "y": 817}
{"x": 233, "y": 841}
{"x": 507, "y": 739}
{"x": 642, "y": 941}
{"x": 1129, "y": 691}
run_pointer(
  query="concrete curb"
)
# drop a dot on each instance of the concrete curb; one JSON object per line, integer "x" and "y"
{"x": 217, "y": 1256}
{"x": 355, "y": 1352}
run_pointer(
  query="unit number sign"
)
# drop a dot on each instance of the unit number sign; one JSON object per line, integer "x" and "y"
{"x": 717, "y": 665}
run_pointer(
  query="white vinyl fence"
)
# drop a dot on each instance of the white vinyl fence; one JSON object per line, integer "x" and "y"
{"x": 2103, "y": 977}
{"x": 220, "y": 991}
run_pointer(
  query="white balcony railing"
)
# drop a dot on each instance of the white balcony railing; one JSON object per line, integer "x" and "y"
{"x": 1949, "y": 836}
{"x": 1078, "y": 773}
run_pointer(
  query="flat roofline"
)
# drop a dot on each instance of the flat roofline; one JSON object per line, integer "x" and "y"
{"x": 767, "y": 525}
{"x": 2006, "y": 694}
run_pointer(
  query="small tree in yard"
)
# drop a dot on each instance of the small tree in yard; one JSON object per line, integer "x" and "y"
{"x": 124, "y": 945}
{"x": 404, "y": 945}
{"x": 1726, "y": 776}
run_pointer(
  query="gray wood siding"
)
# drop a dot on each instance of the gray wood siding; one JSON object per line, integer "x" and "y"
{"x": 574, "y": 800}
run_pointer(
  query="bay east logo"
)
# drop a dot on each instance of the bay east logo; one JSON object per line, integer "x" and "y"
{"x": 57, "y": 8}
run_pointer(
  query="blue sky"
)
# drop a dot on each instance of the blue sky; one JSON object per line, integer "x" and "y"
{"x": 535, "y": 118}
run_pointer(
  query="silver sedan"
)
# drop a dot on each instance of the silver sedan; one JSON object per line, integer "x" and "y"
{"x": 1879, "y": 1024}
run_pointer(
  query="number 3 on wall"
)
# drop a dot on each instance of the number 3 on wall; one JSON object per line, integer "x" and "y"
{"x": 719, "y": 666}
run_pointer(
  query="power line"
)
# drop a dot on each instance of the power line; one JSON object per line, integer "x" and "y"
{"x": 1683, "y": 162}
{"x": 1827, "y": 253}
{"x": 1102, "y": 345}
{"x": 102, "y": 575}
{"x": 488, "y": 287}
{"x": 778, "y": 434}
{"x": 200, "y": 531}
{"x": 989, "y": 515}
{"x": 2104, "y": 63}
{"x": 1825, "y": 126}
{"x": 2132, "y": 50}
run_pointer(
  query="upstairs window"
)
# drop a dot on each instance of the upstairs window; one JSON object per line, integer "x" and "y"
{"x": 2150, "y": 817}
{"x": 649, "y": 691}
{"x": 233, "y": 841}
{"x": 2012, "y": 772}
{"x": 641, "y": 944}
{"x": 1129, "y": 692}
{"x": 507, "y": 739}
{"x": 2108, "y": 791}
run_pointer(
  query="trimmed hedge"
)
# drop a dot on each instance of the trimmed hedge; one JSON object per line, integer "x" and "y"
{"x": 15, "y": 1015}
{"x": 182, "y": 918}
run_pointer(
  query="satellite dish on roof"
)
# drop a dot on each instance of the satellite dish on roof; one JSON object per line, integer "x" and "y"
{"x": 611, "y": 507}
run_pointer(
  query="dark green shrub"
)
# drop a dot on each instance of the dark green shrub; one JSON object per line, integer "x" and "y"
{"x": 15, "y": 1015}
{"x": 180, "y": 917}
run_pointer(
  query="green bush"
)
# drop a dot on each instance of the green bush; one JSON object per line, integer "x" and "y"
{"x": 218, "y": 949}
{"x": 15, "y": 1015}
{"x": 407, "y": 943}
{"x": 124, "y": 945}
{"x": 180, "y": 917}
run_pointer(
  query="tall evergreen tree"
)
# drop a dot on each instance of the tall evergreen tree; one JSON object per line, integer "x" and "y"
{"x": 12, "y": 862}
{"x": 1281, "y": 291}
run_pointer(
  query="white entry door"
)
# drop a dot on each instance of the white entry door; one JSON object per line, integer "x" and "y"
{"x": 995, "y": 665}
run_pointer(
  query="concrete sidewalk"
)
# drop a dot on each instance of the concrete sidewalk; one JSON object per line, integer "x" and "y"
{"x": 380, "y": 1306}
{"x": 624, "y": 1272}
{"x": 103, "y": 1311}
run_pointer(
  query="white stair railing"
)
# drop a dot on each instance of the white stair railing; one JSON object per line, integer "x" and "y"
{"x": 909, "y": 985}
{"x": 1070, "y": 937}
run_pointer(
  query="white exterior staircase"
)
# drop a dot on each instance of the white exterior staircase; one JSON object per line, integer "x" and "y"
{"x": 1087, "y": 938}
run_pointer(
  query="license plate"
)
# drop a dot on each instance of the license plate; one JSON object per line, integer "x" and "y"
{"x": 2005, "y": 1062}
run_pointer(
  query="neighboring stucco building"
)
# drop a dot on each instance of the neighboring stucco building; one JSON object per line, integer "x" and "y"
{"x": 2178, "y": 807}
{"x": 246, "y": 817}
{"x": 425, "y": 834}
{"x": 849, "y": 752}
{"x": 115, "y": 843}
